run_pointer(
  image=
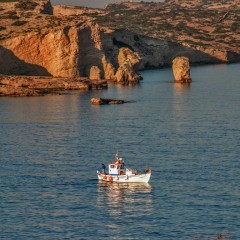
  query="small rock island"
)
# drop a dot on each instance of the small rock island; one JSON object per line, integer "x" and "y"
{"x": 104, "y": 101}
{"x": 181, "y": 70}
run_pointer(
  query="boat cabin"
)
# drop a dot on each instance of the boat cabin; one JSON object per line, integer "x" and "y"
{"x": 117, "y": 167}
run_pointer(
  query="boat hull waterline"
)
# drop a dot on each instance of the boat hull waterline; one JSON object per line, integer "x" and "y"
{"x": 144, "y": 177}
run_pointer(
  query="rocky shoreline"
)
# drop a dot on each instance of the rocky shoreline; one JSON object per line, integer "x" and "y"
{"x": 81, "y": 48}
{"x": 40, "y": 86}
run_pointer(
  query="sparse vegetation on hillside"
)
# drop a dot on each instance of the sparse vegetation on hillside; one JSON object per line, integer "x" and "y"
{"x": 198, "y": 23}
{"x": 2, "y": 28}
{"x": 193, "y": 23}
{"x": 6, "y": 1}
{"x": 19, "y": 23}
{"x": 26, "y": 5}
{"x": 10, "y": 15}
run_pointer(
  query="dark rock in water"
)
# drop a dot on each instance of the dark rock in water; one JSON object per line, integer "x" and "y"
{"x": 103, "y": 101}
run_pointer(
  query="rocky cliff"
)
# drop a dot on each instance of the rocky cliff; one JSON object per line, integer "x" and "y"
{"x": 66, "y": 41}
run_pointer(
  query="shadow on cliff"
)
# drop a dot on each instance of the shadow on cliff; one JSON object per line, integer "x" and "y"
{"x": 200, "y": 57}
{"x": 95, "y": 44}
{"x": 158, "y": 53}
{"x": 12, "y": 65}
{"x": 89, "y": 53}
{"x": 195, "y": 56}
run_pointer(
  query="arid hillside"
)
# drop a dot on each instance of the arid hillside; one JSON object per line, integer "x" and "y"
{"x": 67, "y": 41}
{"x": 24, "y": 16}
{"x": 195, "y": 23}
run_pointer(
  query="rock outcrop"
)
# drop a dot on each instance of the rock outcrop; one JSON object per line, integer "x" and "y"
{"x": 95, "y": 73}
{"x": 103, "y": 101}
{"x": 45, "y": 7}
{"x": 64, "y": 10}
{"x": 126, "y": 55}
{"x": 126, "y": 74}
{"x": 54, "y": 52}
{"x": 108, "y": 69}
{"x": 35, "y": 86}
{"x": 181, "y": 69}
{"x": 127, "y": 60}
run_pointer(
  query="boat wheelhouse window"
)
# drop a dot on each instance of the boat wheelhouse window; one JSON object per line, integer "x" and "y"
{"x": 111, "y": 166}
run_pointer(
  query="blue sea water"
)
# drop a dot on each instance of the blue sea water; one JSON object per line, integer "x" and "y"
{"x": 50, "y": 148}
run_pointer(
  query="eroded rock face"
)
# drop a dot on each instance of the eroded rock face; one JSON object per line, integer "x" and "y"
{"x": 95, "y": 73}
{"x": 52, "y": 53}
{"x": 66, "y": 51}
{"x": 108, "y": 69}
{"x": 181, "y": 69}
{"x": 127, "y": 55}
{"x": 126, "y": 74}
{"x": 35, "y": 86}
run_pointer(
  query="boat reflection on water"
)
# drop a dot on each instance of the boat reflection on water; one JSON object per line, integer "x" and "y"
{"x": 133, "y": 198}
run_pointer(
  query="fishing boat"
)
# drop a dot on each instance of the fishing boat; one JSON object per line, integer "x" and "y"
{"x": 118, "y": 173}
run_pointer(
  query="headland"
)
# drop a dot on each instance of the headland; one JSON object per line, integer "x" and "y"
{"x": 38, "y": 39}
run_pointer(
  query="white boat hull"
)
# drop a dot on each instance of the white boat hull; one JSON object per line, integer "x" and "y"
{"x": 134, "y": 178}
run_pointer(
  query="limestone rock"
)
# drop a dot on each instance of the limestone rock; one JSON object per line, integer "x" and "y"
{"x": 51, "y": 53}
{"x": 109, "y": 72}
{"x": 127, "y": 55}
{"x": 103, "y": 101}
{"x": 95, "y": 73}
{"x": 126, "y": 74}
{"x": 108, "y": 68}
{"x": 181, "y": 69}
{"x": 96, "y": 36}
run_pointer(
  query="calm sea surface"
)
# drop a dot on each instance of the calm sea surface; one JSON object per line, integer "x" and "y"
{"x": 50, "y": 148}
